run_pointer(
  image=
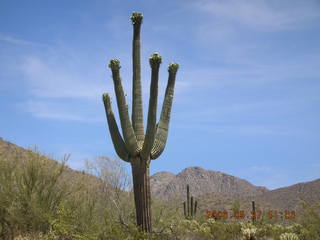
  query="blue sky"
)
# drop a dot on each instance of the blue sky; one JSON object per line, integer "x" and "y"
{"x": 247, "y": 92}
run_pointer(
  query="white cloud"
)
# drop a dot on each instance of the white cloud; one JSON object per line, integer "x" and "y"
{"x": 59, "y": 111}
{"x": 251, "y": 72}
{"x": 54, "y": 80}
{"x": 57, "y": 80}
{"x": 13, "y": 40}
{"x": 261, "y": 14}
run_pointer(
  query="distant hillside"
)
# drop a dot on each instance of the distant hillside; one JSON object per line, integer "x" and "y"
{"x": 288, "y": 197}
{"x": 13, "y": 152}
{"x": 219, "y": 190}
{"x": 201, "y": 181}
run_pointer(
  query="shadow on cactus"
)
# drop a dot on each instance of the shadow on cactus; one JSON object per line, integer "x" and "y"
{"x": 134, "y": 145}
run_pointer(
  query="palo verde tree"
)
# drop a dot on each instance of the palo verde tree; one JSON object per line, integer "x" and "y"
{"x": 134, "y": 145}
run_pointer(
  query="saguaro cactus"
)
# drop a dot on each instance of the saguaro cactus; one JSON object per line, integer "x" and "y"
{"x": 253, "y": 212}
{"x": 135, "y": 146}
{"x": 189, "y": 209}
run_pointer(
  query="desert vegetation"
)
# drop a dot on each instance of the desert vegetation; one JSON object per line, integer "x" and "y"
{"x": 44, "y": 199}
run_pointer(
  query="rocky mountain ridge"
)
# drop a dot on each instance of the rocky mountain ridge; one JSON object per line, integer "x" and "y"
{"x": 218, "y": 187}
{"x": 201, "y": 181}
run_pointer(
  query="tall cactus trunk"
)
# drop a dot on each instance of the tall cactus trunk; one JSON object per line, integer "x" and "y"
{"x": 141, "y": 188}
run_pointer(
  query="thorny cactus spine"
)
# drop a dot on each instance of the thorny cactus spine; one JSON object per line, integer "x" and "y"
{"x": 189, "y": 209}
{"x": 134, "y": 145}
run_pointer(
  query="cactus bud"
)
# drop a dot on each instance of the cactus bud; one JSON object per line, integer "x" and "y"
{"x": 155, "y": 60}
{"x": 136, "y": 18}
{"x": 105, "y": 97}
{"x": 173, "y": 67}
{"x": 114, "y": 64}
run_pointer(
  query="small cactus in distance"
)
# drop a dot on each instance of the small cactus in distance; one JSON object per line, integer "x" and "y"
{"x": 189, "y": 207}
{"x": 253, "y": 213}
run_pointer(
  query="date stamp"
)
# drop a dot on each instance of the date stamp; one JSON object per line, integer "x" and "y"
{"x": 257, "y": 214}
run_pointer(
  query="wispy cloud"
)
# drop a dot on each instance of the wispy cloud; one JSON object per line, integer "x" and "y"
{"x": 60, "y": 111}
{"x": 54, "y": 79}
{"x": 220, "y": 110}
{"x": 58, "y": 81}
{"x": 13, "y": 40}
{"x": 262, "y": 15}
{"x": 251, "y": 73}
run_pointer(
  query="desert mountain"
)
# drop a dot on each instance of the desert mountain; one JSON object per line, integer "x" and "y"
{"x": 288, "y": 197}
{"x": 202, "y": 181}
{"x": 218, "y": 189}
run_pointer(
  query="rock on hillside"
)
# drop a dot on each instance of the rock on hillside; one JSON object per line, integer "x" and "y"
{"x": 158, "y": 180}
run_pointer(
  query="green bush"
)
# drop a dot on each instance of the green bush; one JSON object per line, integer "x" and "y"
{"x": 29, "y": 193}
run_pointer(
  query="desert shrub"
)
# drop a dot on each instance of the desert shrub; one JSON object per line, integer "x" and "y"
{"x": 114, "y": 230}
{"x": 164, "y": 213}
{"x": 204, "y": 229}
{"x": 249, "y": 232}
{"x": 309, "y": 218}
{"x": 30, "y": 236}
{"x": 7, "y": 169}
{"x": 29, "y": 192}
{"x": 66, "y": 226}
{"x": 114, "y": 190}
{"x": 289, "y": 236}
{"x": 37, "y": 192}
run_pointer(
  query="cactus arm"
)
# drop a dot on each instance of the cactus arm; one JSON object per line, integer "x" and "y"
{"x": 137, "y": 112}
{"x": 117, "y": 140}
{"x": 163, "y": 125}
{"x": 155, "y": 61}
{"x": 195, "y": 208}
{"x": 127, "y": 130}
